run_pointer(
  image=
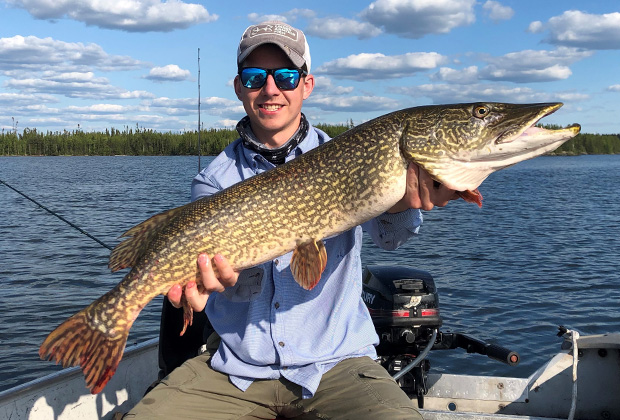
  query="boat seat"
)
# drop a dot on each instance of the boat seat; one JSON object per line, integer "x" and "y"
{"x": 175, "y": 349}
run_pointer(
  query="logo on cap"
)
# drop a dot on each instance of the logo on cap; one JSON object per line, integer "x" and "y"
{"x": 265, "y": 29}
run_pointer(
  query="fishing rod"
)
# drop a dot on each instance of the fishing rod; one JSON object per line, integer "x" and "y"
{"x": 58, "y": 216}
{"x": 199, "y": 110}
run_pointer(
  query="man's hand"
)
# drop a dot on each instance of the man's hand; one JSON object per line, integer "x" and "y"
{"x": 197, "y": 295}
{"x": 422, "y": 193}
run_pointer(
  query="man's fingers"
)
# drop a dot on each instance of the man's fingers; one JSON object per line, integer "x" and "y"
{"x": 209, "y": 280}
{"x": 174, "y": 295}
{"x": 226, "y": 275}
{"x": 196, "y": 299}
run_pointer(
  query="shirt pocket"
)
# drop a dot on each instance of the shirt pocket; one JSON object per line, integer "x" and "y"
{"x": 248, "y": 286}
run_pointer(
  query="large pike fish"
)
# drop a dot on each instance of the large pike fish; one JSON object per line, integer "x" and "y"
{"x": 343, "y": 183}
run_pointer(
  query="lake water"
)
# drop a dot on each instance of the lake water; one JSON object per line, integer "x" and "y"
{"x": 542, "y": 251}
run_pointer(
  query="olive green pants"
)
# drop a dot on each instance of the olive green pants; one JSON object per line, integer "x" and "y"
{"x": 356, "y": 389}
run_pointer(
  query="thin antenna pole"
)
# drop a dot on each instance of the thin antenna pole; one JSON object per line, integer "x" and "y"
{"x": 198, "y": 109}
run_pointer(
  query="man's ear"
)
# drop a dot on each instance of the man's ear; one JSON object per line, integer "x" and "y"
{"x": 308, "y": 85}
{"x": 237, "y": 85}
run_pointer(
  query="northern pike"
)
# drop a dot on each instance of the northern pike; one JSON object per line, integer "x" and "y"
{"x": 354, "y": 177}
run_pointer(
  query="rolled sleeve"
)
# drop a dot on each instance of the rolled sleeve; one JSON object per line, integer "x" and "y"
{"x": 390, "y": 230}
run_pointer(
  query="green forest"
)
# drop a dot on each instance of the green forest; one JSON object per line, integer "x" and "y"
{"x": 139, "y": 141}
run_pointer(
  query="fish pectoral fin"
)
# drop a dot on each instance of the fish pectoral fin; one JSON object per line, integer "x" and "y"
{"x": 471, "y": 196}
{"x": 138, "y": 237}
{"x": 308, "y": 262}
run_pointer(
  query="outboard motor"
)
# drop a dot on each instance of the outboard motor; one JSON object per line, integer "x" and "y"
{"x": 404, "y": 306}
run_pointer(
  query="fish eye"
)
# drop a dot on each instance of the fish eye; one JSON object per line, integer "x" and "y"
{"x": 481, "y": 111}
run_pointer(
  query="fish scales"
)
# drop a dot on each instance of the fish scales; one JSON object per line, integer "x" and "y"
{"x": 341, "y": 184}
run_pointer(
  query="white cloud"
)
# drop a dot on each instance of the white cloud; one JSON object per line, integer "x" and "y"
{"x": 352, "y": 103}
{"x": 257, "y": 18}
{"x": 332, "y": 28}
{"x": 466, "y": 75}
{"x": 99, "y": 109}
{"x": 555, "y": 72}
{"x": 188, "y": 106}
{"x": 226, "y": 123}
{"x": 23, "y": 99}
{"x": 536, "y": 27}
{"x": 131, "y": 16}
{"x": 583, "y": 30}
{"x": 417, "y": 18}
{"x": 367, "y": 66}
{"x": 289, "y": 16}
{"x": 497, "y": 11}
{"x": 324, "y": 85}
{"x": 614, "y": 88}
{"x": 35, "y": 65}
{"x": 533, "y": 65}
{"x": 446, "y": 93}
{"x": 169, "y": 73}
{"x": 527, "y": 66}
{"x": 43, "y": 54}
{"x": 85, "y": 86}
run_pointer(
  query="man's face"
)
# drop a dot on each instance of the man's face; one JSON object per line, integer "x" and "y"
{"x": 274, "y": 113}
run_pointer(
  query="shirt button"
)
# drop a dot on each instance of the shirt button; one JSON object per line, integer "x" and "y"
{"x": 281, "y": 343}
{"x": 276, "y": 262}
{"x": 277, "y": 305}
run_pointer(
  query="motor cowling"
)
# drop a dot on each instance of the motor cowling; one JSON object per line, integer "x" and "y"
{"x": 404, "y": 305}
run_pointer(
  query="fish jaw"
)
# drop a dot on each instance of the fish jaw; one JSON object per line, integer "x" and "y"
{"x": 468, "y": 172}
{"x": 464, "y": 169}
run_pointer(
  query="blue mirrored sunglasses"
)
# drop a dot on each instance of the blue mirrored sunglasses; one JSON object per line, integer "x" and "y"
{"x": 256, "y": 77}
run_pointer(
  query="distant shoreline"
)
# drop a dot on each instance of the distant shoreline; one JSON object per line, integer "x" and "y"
{"x": 143, "y": 142}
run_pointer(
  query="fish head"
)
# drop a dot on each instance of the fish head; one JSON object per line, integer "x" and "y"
{"x": 461, "y": 145}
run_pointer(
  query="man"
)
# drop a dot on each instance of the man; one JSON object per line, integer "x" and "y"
{"x": 286, "y": 351}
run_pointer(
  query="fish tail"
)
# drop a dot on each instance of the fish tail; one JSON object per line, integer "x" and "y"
{"x": 77, "y": 342}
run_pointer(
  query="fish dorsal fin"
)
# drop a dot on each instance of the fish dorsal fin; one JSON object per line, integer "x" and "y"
{"x": 308, "y": 262}
{"x": 138, "y": 237}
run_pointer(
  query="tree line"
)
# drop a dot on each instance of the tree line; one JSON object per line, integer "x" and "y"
{"x": 140, "y": 141}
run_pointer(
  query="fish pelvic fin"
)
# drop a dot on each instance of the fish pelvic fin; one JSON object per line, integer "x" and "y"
{"x": 308, "y": 262}
{"x": 77, "y": 342}
{"x": 127, "y": 253}
{"x": 471, "y": 196}
{"x": 188, "y": 314}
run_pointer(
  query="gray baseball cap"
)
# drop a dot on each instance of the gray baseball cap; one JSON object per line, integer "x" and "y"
{"x": 292, "y": 41}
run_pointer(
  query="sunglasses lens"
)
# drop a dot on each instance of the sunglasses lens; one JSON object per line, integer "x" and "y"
{"x": 286, "y": 79}
{"x": 253, "y": 78}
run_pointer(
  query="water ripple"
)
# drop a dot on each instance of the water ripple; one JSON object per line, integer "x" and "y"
{"x": 541, "y": 252}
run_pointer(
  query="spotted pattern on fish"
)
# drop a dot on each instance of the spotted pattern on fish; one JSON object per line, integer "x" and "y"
{"x": 341, "y": 184}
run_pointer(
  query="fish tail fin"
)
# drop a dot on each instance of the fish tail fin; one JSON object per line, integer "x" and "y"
{"x": 77, "y": 342}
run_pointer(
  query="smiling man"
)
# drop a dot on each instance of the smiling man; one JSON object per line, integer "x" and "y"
{"x": 280, "y": 350}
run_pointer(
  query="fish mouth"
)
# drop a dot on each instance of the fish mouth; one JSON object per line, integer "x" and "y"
{"x": 531, "y": 129}
{"x": 525, "y": 142}
{"x": 519, "y": 142}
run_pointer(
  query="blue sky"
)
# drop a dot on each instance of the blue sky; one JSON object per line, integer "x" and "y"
{"x": 97, "y": 64}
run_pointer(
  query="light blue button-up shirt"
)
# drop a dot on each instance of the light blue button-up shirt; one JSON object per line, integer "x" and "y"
{"x": 269, "y": 325}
